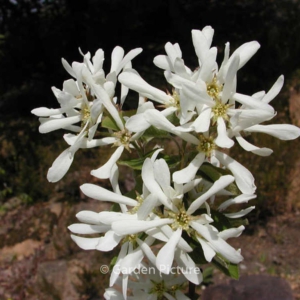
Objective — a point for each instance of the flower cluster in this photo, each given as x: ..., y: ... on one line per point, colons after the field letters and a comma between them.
x: 183, y: 210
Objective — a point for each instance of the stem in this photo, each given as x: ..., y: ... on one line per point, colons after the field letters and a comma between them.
x: 192, y: 291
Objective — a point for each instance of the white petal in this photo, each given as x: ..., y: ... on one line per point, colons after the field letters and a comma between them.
x: 51, y: 124
x: 147, y: 250
x: 116, y: 57
x: 131, y: 261
x: 105, y: 171
x: 147, y: 206
x: 137, y: 123
x: 281, y: 131
x: 188, y: 173
x: 218, y: 185
x: 251, y: 102
x: 245, y: 52
x: 222, y: 139
x: 188, y: 267
x: 128, y: 57
x: 219, y: 245
x: 229, y: 80
x: 136, y: 226
x: 240, y: 214
x: 87, y: 228
x: 109, y: 241
x: 202, y: 122
x: 165, y: 256
x: 274, y: 91
x: 60, y: 166
x: 85, y: 243
x: 102, y: 194
x: 209, y: 253
x: 89, y: 217
x: 231, y: 232
x: 243, y: 198
x: 46, y: 112
x: 163, y: 62
x: 137, y: 83
x: 162, y: 174
x: 243, y: 177
x: 249, y: 147
x: 151, y: 183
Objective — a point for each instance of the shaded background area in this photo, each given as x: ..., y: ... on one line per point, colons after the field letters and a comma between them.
x: 36, y: 34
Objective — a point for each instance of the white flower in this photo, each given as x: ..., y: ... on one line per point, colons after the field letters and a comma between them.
x: 157, y: 179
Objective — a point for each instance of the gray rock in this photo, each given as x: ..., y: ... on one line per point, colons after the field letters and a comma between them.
x: 251, y: 287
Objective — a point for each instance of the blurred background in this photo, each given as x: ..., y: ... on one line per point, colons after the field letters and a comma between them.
x: 36, y: 34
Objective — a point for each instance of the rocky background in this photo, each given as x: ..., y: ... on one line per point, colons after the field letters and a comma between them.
x: 38, y: 259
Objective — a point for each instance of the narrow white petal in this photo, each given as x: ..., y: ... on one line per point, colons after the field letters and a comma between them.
x: 68, y: 67
x: 147, y: 250
x: 222, y: 139
x: 90, y: 217
x: 218, y: 185
x: 147, y: 206
x: 251, y: 102
x: 116, y: 269
x: 102, y: 194
x: 87, y: 228
x: 51, y: 124
x: 165, y: 256
x: 137, y: 123
x: 281, y: 131
x: 60, y: 166
x: 245, y: 52
x: 209, y: 253
x: 163, y: 62
x: 162, y: 174
x: 190, y: 271
x: 243, y: 198
x: 85, y: 243
x: 116, y: 57
x: 131, y: 261
x: 135, y: 82
x: 240, y: 214
x: 231, y: 232
x: 228, y: 88
x: 243, y: 177
x: 109, y: 241
x: 108, y: 217
x: 188, y: 173
x: 274, y: 91
x: 202, y: 122
x: 249, y: 147
x: 218, y: 244
x: 127, y: 58
x: 151, y: 183
x: 47, y: 112
x: 136, y: 226
x: 105, y: 171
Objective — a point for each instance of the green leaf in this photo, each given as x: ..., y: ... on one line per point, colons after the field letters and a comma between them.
x: 110, y: 123
x: 153, y: 132
x: 229, y: 269
x: 137, y: 163
x: 212, y: 174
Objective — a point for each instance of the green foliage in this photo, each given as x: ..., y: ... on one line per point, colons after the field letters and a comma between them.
x: 229, y: 269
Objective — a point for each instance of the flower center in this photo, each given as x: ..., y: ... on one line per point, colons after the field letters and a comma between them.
x: 214, y: 88
x: 123, y: 137
x: 175, y: 101
x: 206, y: 145
x: 181, y: 219
x: 159, y: 288
x: 220, y: 110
